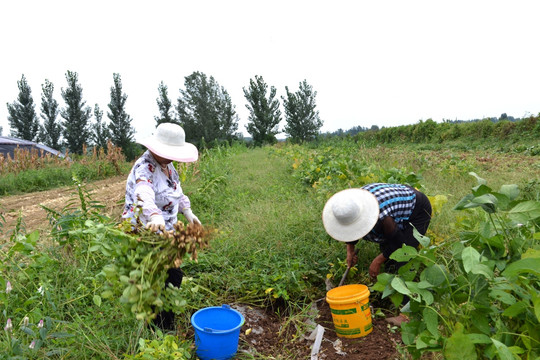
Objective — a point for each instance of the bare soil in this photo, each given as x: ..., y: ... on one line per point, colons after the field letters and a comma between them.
x: 265, y: 335
x: 109, y: 192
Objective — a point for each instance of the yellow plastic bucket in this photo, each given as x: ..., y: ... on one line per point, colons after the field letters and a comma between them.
x: 349, y: 305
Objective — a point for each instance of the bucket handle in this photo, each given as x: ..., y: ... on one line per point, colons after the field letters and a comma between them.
x: 214, y: 331
x: 210, y: 330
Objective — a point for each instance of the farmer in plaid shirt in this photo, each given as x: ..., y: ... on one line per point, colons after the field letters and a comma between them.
x: 382, y: 213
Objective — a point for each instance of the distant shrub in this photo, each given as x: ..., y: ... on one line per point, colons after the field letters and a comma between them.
x: 29, y: 172
x: 486, y: 132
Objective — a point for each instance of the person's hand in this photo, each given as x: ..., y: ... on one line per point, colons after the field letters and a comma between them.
x: 352, y: 258
x: 191, y: 217
x: 375, y: 266
x: 157, y: 222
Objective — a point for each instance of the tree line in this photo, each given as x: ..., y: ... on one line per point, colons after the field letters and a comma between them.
x: 429, y: 131
x: 204, y: 109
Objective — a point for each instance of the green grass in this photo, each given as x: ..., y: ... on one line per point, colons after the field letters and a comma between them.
x: 271, y: 235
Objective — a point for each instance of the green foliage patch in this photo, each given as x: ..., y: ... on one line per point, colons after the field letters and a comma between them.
x: 477, y: 297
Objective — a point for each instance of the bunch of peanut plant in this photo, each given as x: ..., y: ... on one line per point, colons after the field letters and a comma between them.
x: 139, y: 263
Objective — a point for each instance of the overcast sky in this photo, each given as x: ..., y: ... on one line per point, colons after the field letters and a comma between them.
x: 382, y: 63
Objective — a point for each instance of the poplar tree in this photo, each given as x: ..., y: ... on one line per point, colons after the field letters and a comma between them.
x: 51, y: 130
x: 22, y: 114
x: 264, y: 113
x: 166, y: 109
x: 76, y: 115
x: 120, y: 127
x: 205, y: 110
x: 303, y: 122
x: 100, y: 133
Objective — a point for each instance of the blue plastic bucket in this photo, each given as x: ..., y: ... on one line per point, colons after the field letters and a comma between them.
x: 217, y: 330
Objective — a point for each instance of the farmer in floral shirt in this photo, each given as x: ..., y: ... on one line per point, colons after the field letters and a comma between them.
x: 153, y: 188
x: 153, y: 192
x: 381, y: 213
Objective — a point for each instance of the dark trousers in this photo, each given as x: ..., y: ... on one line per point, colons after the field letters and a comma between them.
x: 420, y: 219
x: 165, y: 319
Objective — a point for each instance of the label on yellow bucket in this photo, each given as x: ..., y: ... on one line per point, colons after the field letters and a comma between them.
x: 350, y: 310
x: 343, y: 312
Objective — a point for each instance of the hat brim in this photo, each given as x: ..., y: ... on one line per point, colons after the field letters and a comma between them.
x: 369, y: 214
x: 185, y: 153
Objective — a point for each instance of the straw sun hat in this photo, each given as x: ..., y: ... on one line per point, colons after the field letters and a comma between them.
x: 350, y: 214
x: 169, y: 142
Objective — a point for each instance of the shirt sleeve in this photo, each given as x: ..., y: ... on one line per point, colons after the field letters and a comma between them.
x: 144, y: 193
x: 184, y: 203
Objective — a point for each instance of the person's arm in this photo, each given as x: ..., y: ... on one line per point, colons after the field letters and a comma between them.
x: 375, y: 266
x: 144, y: 193
x: 392, y: 236
x: 352, y: 258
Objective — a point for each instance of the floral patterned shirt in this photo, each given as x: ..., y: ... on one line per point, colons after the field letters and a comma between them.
x: 150, y: 188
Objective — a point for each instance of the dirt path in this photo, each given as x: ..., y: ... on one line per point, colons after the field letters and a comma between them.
x: 109, y: 192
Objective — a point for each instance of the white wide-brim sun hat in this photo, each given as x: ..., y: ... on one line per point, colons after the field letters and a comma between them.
x: 169, y: 142
x: 350, y: 214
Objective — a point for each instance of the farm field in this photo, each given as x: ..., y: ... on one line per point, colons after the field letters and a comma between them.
x: 271, y: 258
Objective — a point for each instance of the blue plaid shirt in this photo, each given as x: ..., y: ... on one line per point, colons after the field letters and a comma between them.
x: 395, y: 200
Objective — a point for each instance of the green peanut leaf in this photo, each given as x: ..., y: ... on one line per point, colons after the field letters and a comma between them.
x: 388, y: 290
x: 427, y: 296
x: 399, y: 285
x: 502, y: 296
x: 431, y: 319
x: 422, y: 239
x: 527, y: 265
x: 503, y: 201
x: 488, y: 202
x: 531, y: 253
x: 515, y: 309
x: 512, y: 191
x: 420, y: 343
x: 481, y: 322
x: 408, y: 332
x: 463, y: 202
x: 525, y: 211
x: 397, y: 299
x: 97, y: 300
x: 536, y: 303
x: 383, y: 280
x: 482, y: 269
x: 479, y: 338
x: 470, y: 257
x: 424, y: 284
x: 459, y: 346
x: 406, y: 253
x: 480, y: 180
x: 434, y: 274
x: 502, y: 350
